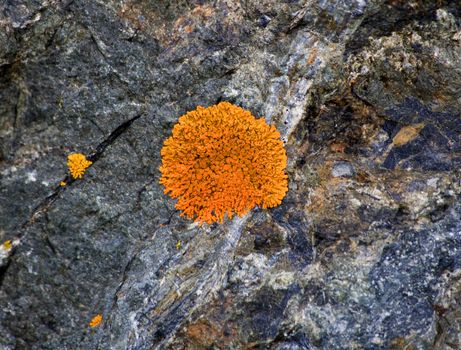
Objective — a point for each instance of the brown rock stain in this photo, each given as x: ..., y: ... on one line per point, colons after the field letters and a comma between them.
x: 317, y: 200
x: 203, y: 11
x: 215, y: 329
x: 203, y: 333
x: 206, y: 334
x: 166, y: 302
x: 148, y: 19
x: 407, y: 134
x: 321, y: 196
x: 338, y: 147
x: 400, y: 343
x: 133, y: 14
x: 312, y: 56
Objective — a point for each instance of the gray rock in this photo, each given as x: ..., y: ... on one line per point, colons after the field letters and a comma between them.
x: 363, y: 252
x: 342, y: 169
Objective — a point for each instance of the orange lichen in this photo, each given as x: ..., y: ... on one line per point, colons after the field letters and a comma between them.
x: 62, y: 183
x: 220, y: 161
x: 77, y: 164
x: 95, y: 321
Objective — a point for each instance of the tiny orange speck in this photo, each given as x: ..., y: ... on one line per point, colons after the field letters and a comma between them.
x: 95, y: 321
x: 7, y: 245
x: 62, y: 183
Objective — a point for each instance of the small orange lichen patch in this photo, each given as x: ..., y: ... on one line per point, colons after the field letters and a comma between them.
x: 95, y: 321
x: 407, y: 134
x: 221, y: 160
x: 62, y: 183
x: 77, y: 164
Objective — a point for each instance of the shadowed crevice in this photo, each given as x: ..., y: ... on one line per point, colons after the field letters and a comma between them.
x: 44, y: 205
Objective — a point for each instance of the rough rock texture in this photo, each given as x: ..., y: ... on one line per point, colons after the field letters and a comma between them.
x: 363, y: 253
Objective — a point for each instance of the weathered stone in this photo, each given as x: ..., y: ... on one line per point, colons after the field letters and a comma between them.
x: 342, y: 169
x: 363, y: 253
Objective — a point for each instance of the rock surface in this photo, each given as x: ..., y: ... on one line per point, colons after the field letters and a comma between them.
x: 366, y: 260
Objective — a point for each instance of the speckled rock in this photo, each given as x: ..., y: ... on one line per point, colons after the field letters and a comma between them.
x: 363, y: 253
x: 342, y: 169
